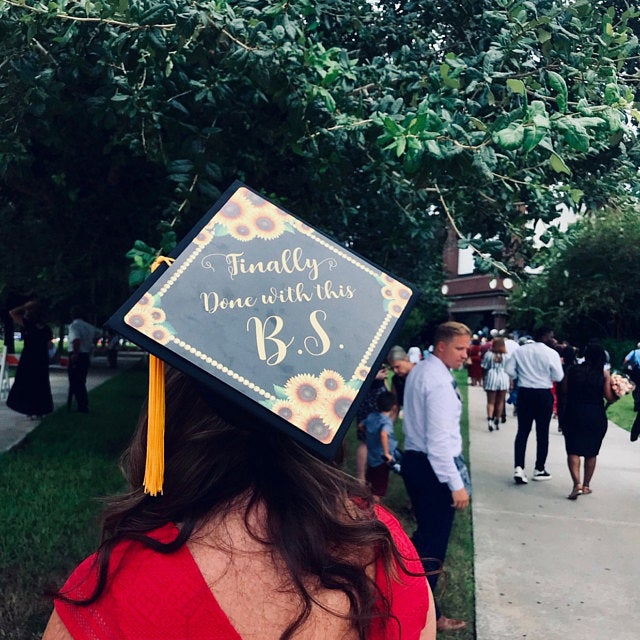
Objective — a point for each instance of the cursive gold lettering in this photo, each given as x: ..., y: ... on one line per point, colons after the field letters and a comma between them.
x: 290, y: 261
x: 322, y: 341
x: 262, y: 338
x: 212, y: 302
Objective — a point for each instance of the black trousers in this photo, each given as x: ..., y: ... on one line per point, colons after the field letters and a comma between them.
x: 432, y: 507
x: 77, y: 372
x: 534, y: 405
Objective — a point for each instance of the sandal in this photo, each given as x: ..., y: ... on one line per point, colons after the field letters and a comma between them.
x: 585, y: 489
x: 577, y: 491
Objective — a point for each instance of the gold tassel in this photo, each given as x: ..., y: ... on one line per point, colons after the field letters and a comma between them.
x: 154, y: 468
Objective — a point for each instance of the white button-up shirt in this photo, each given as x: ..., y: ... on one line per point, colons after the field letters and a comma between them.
x: 536, y: 366
x: 85, y: 333
x: 431, y: 422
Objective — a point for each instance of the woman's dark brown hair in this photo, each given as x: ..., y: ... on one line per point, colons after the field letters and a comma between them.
x: 318, y: 519
x: 498, y: 348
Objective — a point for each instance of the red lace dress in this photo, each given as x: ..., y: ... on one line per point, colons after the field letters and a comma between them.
x: 155, y: 596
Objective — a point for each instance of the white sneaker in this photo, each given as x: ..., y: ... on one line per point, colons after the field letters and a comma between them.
x: 541, y: 475
x: 519, y: 476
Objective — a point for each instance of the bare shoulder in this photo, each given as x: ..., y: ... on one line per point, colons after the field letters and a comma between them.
x: 55, y: 629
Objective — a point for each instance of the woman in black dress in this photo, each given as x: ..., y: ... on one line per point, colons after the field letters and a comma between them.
x: 31, y: 390
x: 585, y: 419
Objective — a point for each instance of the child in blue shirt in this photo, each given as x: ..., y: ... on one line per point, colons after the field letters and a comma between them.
x: 381, y: 443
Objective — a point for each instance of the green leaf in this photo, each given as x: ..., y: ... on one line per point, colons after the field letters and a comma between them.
x: 510, y: 138
x: 392, y: 127
x: 478, y: 124
x: 449, y: 81
x: 611, y: 93
x: 434, y: 149
x: 153, y: 14
x: 533, y: 135
x: 576, y: 195
x: 557, y: 83
x: 558, y: 165
x: 543, y: 36
x: 577, y: 137
x: 517, y: 86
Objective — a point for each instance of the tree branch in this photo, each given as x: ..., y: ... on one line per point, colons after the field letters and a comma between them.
x: 66, y: 16
x: 457, y: 231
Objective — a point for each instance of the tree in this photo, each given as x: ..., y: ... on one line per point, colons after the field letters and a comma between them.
x: 588, y: 288
x: 377, y: 122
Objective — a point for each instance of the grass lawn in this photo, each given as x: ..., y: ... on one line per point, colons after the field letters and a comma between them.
x: 50, y: 490
x: 622, y: 413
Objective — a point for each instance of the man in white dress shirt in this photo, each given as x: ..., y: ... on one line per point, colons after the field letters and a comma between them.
x: 536, y: 366
x: 433, y: 469
x: 81, y: 340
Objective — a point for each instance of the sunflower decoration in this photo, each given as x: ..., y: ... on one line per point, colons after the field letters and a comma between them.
x: 331, y: 382
x: 243, y: 229
x: 268, y: 224
x: 304, y: 391
x: 316, y: 426
x: 204, y: 237
x: 361, y: 372
x: 395, y: 295
x: 247, y: 216
x: 255, y: 200
x: 286, y: 410
x: 233, y: 210
x: 147, y: 317
x: 315, y: 404
x: 336, y: 405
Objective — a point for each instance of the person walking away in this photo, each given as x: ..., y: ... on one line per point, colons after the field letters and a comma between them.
x: 585, y: 419
x: 82, y: 335
x: 474, y: 358
x: 537, y: 366
x: 113, y: 344
x: 568, y: 359
x: 381, y: 443
x: 433, y: 468
x: 31, y: 390
x: 496, y: 381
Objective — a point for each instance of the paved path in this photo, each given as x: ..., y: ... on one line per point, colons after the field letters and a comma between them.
x: 14, y: 426
x: 547, y: 568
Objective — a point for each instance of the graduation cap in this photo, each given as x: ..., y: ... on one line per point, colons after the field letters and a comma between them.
x: 271, y: 317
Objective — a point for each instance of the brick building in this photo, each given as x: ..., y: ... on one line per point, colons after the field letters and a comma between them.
x: 478, y: 300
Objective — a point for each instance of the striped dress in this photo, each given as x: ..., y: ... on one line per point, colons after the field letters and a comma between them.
x: 495, y: 377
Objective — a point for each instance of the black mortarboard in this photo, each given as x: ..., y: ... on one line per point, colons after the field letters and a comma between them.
x: 271, y: 316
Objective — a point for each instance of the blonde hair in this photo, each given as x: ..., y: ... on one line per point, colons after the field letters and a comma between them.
x: 447, y: 331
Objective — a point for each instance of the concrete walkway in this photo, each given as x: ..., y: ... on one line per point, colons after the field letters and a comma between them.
x: 14, y: 426
x: 547, y: 568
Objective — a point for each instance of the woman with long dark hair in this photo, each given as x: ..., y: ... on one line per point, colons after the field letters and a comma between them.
x: 31, y: 390
x: 252, y: 537
x: 585, y: 419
